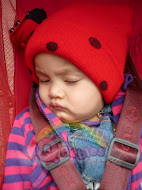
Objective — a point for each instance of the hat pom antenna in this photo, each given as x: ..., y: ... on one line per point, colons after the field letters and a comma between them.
x: 22, y: 30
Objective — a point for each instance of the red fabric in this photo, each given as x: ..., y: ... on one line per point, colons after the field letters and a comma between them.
x: 50, y: 6
x: 135, y: 41
x: 6, y: 104
x: 23, y: 81
x: 90, y: 36
x: 26, y: 28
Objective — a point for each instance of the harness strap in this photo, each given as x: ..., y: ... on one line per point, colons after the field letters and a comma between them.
x: 124, y: 150
x: 65, y: 175
x: 128, y: 129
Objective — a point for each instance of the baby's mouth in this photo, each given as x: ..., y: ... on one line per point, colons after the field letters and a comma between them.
x: 56, y: 106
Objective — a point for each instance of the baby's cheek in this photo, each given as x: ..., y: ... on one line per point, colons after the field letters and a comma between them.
x: 43, y: 94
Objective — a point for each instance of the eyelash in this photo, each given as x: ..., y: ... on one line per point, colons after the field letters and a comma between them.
x: 68, y: 81
x: 44, y: 81
x: 72, y: 81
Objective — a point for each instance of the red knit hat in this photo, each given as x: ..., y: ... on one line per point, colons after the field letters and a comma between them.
x: 93, y: 37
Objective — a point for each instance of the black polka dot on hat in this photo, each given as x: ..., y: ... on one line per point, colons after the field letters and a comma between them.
x: 103, y: 85
x: 52, y: 46
x: 16, y: 23
x: 11, y: 30
x: 95, y: 42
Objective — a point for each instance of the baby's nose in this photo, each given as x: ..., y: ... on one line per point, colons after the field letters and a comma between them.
x: 56, y: 91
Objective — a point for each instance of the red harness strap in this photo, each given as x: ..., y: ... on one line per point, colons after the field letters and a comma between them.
x: 124, y: 150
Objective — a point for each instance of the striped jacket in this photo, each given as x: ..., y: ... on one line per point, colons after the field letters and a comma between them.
x: 23, y: 170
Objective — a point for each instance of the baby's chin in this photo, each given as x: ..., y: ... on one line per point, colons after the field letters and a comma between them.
x: 95, y: 119
x: 69, y: 119
x: 64, y: 117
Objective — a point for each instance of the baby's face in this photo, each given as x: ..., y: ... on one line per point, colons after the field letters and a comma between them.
x: 67, y: 91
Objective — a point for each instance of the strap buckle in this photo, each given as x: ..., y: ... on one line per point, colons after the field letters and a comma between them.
x: 52, y: 153
x: 124, y: 153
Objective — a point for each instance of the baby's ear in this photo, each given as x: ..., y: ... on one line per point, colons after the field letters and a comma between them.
x: 22, y: 30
